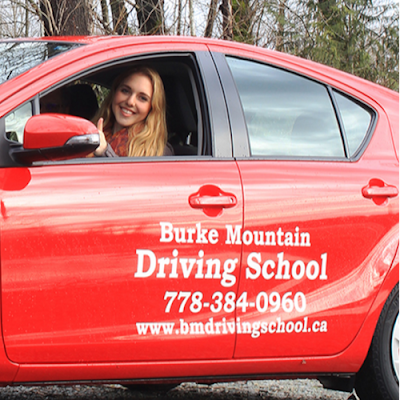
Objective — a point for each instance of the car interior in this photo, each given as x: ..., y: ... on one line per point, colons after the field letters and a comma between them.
x: 184, y: 118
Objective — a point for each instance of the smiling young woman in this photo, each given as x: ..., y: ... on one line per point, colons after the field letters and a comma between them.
x: 133, y: 116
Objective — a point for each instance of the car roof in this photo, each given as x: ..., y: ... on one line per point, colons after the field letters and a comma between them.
x: 218, y: 45
x: 221, y: 46
x: 383, y: 96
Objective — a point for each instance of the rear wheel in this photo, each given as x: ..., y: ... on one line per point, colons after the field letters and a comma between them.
x: 378, y: 378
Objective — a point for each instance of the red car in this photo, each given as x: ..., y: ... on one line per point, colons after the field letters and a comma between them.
x: 265, y: 247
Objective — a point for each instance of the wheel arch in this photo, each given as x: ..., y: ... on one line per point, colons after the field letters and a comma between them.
x: 363, y: 340
x: 377, y: 378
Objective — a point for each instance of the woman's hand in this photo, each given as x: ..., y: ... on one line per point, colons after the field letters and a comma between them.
x: 103, y: 142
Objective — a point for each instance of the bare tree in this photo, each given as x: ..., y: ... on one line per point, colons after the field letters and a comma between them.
x: 150, y: 15
x: 65, y: 17
x: 179, y: 18
x: 26, y: 19
x: 14, y: 20
x: 212, y: 13
x: 279, y: 43
x: 227, y: 22
x: 244, y: 21
x: 191, y: 19
x: 119, y: 17
x: 105, y: 20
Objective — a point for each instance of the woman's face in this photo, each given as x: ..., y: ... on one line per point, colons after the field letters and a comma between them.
x: 132, y: 101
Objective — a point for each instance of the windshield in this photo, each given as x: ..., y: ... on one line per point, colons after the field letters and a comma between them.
x: 18, y: 57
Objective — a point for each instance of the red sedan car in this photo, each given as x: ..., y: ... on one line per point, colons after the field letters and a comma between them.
x: 265, y: 247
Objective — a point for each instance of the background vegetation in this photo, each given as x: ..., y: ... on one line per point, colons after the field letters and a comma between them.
x: 357, y: 36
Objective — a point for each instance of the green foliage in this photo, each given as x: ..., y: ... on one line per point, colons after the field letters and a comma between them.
x: 357, y: 36
x: 242, y: 21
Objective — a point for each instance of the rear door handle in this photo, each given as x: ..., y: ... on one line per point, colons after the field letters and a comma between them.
x: 379, y: 191
x: 386, y: 191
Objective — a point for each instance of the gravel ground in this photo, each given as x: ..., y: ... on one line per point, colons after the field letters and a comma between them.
x: 301, y: 389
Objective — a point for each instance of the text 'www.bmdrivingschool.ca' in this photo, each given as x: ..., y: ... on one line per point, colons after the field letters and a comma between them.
x: 224, y: 327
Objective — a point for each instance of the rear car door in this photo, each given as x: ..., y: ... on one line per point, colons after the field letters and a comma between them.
x: 320, y: 185
x: 123, y: 260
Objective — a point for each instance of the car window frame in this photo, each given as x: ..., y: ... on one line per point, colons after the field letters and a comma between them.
x: 208, y: 97
x: 141, y: 58
x: 371, y: 128
x: 241, y: 146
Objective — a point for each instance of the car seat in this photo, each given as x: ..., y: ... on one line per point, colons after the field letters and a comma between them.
x: 83, y: 101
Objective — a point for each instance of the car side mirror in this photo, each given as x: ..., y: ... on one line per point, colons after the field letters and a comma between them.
x: 55, y: 137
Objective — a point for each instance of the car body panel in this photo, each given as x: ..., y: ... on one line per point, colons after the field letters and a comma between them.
x: 84, y: 279
x: 327, y: 207
x: 325, y: 201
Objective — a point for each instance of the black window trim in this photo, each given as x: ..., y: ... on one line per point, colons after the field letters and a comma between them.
x: 198, y: 90
x: 236, y: 117
x: 203, y: 91
x: 371, y: 128
x: 339, y: 121
x: 243, y: 153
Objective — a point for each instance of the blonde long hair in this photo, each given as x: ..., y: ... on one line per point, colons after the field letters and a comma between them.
x: 147, y: 138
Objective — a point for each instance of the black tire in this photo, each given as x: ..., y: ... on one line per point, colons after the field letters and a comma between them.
x: 377, y: 379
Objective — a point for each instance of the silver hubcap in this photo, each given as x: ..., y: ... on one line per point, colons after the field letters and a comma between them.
x: 395, y: 346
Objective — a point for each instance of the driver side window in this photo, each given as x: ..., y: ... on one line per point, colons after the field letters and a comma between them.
x: 186, y: 119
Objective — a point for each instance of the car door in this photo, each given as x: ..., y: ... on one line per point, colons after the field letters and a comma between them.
x: 124, y: 259
x: 320, y: 211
